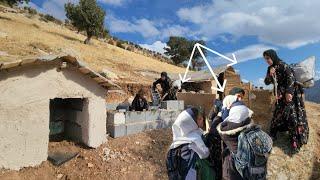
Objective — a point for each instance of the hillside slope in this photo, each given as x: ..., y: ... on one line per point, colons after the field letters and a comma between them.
x: 22, y: 36
x: 313, y: 94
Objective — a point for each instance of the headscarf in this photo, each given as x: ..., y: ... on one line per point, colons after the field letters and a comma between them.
x: 185, y: 130
x: 273, y: 55
x: 238, y: 114
x: 228, y: 101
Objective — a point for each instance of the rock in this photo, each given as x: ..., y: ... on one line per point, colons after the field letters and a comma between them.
x: 109, y: 74
x: 73, y: 53
x: 282, y: 176
x: 2, y: 53
x: 59, y: 176
x: 3, y: 35
x: 90, y: 165
x: 137, y: 142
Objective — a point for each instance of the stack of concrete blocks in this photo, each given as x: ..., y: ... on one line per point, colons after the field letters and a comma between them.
x: 111, y: 106
x: 121, y: 123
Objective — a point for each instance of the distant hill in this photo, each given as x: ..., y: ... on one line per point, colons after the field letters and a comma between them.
x: 24, y: 34
x: 313, y: 94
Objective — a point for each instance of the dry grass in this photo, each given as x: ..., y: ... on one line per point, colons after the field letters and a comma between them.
x: 305, y: 164
x: 30, y: 36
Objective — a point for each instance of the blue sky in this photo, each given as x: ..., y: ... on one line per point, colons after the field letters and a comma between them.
x: 243, y: 27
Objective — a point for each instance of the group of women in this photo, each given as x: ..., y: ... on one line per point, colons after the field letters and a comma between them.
x: 191, y: 149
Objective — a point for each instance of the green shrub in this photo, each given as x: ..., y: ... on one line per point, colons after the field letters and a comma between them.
x: 119, y: 44
x: 32, y: 11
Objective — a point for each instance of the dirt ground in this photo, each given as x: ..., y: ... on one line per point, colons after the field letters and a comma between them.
x: 142, y: 156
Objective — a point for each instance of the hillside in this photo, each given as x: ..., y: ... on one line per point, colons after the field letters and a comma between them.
x: 23, y: 35
x: 313, y: 94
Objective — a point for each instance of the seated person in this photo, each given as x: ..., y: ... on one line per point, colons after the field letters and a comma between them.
x: 164, y: 81
x: 188, y: 146
x: 139, y: 103
x: 175, y: 86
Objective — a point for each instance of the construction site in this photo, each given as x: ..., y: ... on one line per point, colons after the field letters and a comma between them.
x: 60, y: 115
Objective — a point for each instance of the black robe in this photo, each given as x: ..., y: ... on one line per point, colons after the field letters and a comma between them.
x: 288, y: 116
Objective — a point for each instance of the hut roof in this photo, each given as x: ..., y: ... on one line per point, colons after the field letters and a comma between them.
x: 71, y: 60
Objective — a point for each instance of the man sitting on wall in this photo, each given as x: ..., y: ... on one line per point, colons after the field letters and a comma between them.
x: 164, y: 82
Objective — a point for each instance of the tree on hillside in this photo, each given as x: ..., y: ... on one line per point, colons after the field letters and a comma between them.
x: 197, y: 61
x: 13, y: 2
x: 87, y: 16
x: 179, y: 49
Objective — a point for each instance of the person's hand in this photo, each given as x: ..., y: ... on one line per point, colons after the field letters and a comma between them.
x: 272, y: 71
x: 288, y: 97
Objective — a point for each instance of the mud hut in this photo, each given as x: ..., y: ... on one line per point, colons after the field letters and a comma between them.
x: 45, y: 97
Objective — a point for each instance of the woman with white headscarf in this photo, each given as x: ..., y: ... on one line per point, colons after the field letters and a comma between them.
x: 230, y: 102
x: 229, y: 130
x: 187, y: 146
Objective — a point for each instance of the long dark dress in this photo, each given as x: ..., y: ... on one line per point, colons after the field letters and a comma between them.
x: 288, y: 116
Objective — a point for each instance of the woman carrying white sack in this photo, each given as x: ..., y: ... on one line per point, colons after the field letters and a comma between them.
x: 188, y: 147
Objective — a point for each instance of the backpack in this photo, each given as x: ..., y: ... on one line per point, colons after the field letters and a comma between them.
x: 178, y: 167
x: 304, y: 72
x: 254, y: 147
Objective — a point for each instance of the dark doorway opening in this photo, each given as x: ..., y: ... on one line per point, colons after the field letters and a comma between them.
x: 65, y: 117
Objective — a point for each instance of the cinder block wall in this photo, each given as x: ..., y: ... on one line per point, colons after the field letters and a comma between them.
x: 132, y: 122
x: 126, y: 123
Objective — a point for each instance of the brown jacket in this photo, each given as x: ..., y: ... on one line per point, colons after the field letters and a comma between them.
x: 229, y: 133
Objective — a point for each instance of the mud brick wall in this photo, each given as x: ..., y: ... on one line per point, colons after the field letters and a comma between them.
x: 128, y: 90
x: 234, y: 80
x: 205, y: 100
x: 262, y: 107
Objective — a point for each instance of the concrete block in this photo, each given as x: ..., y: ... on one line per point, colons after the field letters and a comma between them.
x: 154, y: 125
x: 167, y: 123
x: 172, y: 105
x: 152, y: 115
x: 165, y: 114
x: 117, y: 130
x: 134, y: 128
x: 181, y: 106
x: 175, y: 114
x: 153, y: 107
x: 115, y: 118
x: 111, y: 107
x: 135, y: 116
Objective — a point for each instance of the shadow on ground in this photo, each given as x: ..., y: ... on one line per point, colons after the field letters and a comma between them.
x: 64, y: 36
x: 316, y: 169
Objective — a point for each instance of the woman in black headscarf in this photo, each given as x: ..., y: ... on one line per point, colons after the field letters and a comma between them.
x: 289, y: 114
